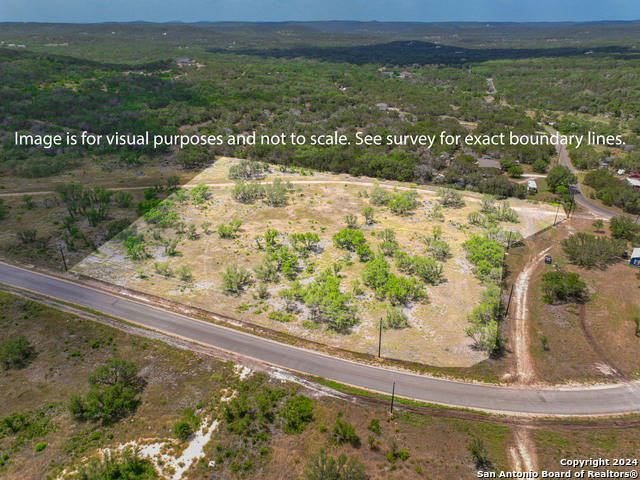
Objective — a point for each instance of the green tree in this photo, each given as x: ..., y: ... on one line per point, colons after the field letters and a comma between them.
x: 113, y: 392
x: 560, y: 175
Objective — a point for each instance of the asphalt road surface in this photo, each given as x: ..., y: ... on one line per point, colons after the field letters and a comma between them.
x: 611, y: 399
x: 597, y: 210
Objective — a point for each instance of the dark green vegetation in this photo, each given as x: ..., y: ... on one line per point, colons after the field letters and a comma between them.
x: 113, y: 392
x: 311, y: 79
x: 613, y: 191
x: 268, y: 428
x: 563, y: 286
x: 16, y: 353
x: 588, y: 250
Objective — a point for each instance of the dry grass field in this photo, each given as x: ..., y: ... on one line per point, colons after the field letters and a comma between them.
x: 317, y: 204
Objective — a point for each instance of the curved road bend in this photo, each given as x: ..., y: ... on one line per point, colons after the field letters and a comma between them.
x: 580, y: 199
x: 614, y: 399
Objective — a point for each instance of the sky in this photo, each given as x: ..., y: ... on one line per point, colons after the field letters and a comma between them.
x: 88, y: 11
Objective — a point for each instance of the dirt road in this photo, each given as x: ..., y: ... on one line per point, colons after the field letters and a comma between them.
x: 524, y: 364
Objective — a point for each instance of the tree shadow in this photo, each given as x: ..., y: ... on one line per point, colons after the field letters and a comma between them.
x: 419, y: 52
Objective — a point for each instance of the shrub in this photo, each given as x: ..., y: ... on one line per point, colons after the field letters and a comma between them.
x: 247, y: 170
x: 328, y: 304
x: 486, y: 256
x: 403, y: 203
x: 182, y: 429
x: 388, y: 244
x: 304, y: 243
x: 123, y: 199
x: 247, y: 192
x: 323, y: 467
x: 235, y: 278
x: 296, y: 413
x: 38, y: 447
x: 374, y: 426
x: 438, y: 249
x: 276, y: 193
x: 425, y: 268
x: 200, y: 194
x: 163, y: 268
x: 184, y: 273
x: 395, y: 319
x: 348, y: 239
x: 135, y: 246
x: 450, y: 198
x: 27, y: 236
x: 351, y: 221
x: 484, y: 321
x: 367, y: 213
x: 129, y: 465
x: 400, y: 290
x: 375, y: 275
x: 479, y: 454
x: 16, y: 353
x: 379, y: 196
x: 230, y: 230
x: 343, y: 432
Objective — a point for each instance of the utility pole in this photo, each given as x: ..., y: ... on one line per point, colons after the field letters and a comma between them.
x: 509, y: 240
x: 556, y: 218
x: 509, y: 301
x: 64, y: 261
x: 380, y: 339
x: 393, y: 395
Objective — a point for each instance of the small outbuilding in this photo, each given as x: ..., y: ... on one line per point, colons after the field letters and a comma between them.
x: 634, y: 182
x: 635, y: 257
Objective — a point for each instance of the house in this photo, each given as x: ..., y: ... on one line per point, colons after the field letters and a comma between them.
x: 182, y: 61
x: 635, y: 257
x: 382, y: 106
x: 634, y: 182
x: 532, y: 186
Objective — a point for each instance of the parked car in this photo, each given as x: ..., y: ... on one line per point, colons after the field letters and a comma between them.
x: 547, y: 259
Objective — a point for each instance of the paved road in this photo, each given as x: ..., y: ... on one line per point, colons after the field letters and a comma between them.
x: 597, y: 210
x: 492, y: 87
x: 607, y: 400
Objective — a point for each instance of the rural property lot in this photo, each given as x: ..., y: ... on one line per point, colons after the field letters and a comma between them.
x: 317, y: 204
